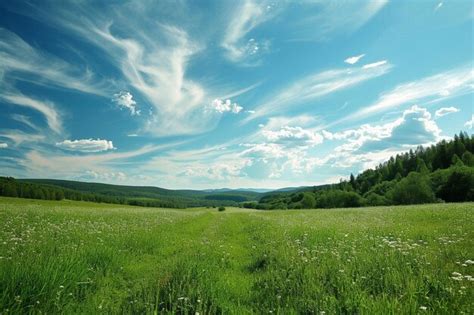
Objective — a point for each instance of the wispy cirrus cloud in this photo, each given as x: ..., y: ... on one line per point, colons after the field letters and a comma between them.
x: 86, y: 145
x: 18, y: 137
x: 151, y: 57
x: 21, y: 61
x: 331, y: 18
x: 375, y: 64
x: 318, y: 85
x: 248, y: 15
x: 40, y: 163
x: 318, y: 20
x: 439, y: 86
x: 46, y: 108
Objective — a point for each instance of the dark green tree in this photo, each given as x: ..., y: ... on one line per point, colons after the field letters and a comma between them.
x: 413, y: 189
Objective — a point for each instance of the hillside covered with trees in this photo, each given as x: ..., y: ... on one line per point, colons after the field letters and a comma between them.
x: 51, y: 189
x: 441, y: 173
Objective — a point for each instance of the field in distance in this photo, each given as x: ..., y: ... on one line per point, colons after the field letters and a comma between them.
x: 77, y: 257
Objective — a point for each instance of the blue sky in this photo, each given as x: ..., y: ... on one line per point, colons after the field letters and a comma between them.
x: 209, y: 94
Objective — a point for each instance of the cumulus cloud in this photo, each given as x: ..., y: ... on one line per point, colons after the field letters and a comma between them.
x: 86, y: 145
x: 3, y: 145
x: 415, y: 127
x: 105, y: 176
x: 219, y: 171
x: 354, y: 60
x: 125, y: 99
x: 470, y: 123
x: 222, y: 106
x: 288, y: 134
x: 445, y: 111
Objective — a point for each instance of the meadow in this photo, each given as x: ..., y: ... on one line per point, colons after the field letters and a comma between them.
x: 78, y: 257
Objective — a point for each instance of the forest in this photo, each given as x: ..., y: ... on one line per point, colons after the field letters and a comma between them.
x: 51, y: 189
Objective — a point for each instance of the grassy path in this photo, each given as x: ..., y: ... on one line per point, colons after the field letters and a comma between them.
x: 72, y: 257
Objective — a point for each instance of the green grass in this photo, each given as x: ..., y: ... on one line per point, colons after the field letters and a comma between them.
x: 73, y: 257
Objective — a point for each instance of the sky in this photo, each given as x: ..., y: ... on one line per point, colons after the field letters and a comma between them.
x: 237, y: 94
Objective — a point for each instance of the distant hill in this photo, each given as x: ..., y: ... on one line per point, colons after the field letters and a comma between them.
x: 257, y: 190
x: 150, y: 193
x: 53, y: 189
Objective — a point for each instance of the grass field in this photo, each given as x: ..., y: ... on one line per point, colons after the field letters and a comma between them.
x: 72, y: 257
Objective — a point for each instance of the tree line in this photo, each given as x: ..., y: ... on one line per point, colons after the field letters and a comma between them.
x: 11, y: 187
x: 440, y: 173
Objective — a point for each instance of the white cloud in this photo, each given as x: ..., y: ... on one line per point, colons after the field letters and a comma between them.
x: 277, y: 122
x: 105, y: 176
x: 38, y: 163
x: 222, y: 106
x: 331, y: 18
x: 248, y: 15
x: 25, y: 120
x: 445, y: 111
x: 315, y: 86
x: 370, y: 144
x: 317, y: 20
x: 292, y: 135
x: 354, y: 60
x: 48, y: 109
x: 470, y: 123
x: 415, y: 127
x: 19, y: 137
x: 125, y: 99
x: 443, y: 85
x: 438, y: 6
x: 20, y: 61
x: 153, y: 58
x: 375, y: 64
x: 3, y: 145
x: 86, y: 145
x: 157, y: 71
